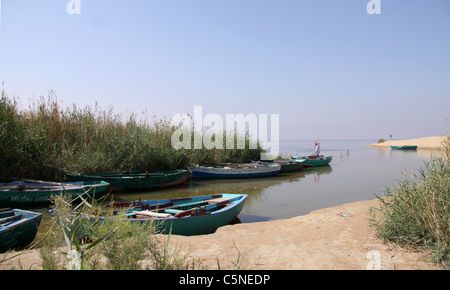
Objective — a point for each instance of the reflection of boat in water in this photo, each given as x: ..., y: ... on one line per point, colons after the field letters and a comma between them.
x: 318, y: 170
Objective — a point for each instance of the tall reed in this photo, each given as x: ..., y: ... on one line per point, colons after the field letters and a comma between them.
x: 48, y: 140
x: 417, y: 211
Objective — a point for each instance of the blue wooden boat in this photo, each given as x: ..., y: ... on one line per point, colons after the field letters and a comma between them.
x: 406, y: 147
x: 186, y: 216
x: 18, y: 228
x: 314, y: 160
x: 231, y: 171
x: 26, y: 192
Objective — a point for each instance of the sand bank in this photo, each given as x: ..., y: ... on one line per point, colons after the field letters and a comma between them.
x: 333, y: 238
x: 433, y: 143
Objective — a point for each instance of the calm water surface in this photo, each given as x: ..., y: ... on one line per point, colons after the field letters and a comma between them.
x: 357, y: 173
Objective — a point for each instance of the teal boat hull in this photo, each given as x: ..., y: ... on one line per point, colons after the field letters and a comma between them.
x: 407, y: 147
x: 134, y: 180
x: 290, y: 166
x: 19, y: 232
x: 314, y: 161
x: 287, y: 166
x: 35, y: 192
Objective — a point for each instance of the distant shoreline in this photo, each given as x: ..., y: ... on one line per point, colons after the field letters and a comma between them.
x: 429, y: 143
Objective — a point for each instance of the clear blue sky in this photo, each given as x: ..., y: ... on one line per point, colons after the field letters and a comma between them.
x: 331, y: 70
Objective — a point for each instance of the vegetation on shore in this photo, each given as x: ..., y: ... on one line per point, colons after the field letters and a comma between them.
x: 416, y: 212
x: 80, y: 240
x: 47, y: 140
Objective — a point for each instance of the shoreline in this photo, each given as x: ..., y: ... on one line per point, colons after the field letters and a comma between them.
x: 424, y: 143
x: 338, y: 237
x: 335, y: 238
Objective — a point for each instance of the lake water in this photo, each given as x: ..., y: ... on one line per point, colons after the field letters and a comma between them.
x: 357, y: 172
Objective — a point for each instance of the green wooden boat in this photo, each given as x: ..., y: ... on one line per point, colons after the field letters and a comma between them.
x: 406, y: 147
x: 313, y: 160
x: 18, y: 228
x: 27, y: 192
x: 287, y: 166
x: 134, y: 180
x: 186, y: 216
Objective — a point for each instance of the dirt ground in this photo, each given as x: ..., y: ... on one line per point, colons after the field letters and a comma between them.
x: 333, y: 238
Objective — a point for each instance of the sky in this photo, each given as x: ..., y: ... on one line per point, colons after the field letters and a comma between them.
x: 328, y: 68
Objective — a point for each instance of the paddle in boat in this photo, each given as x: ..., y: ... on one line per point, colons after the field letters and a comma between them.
x: 134, y: 180
x: 18, y: 228
x: 26, y: 192
x: 234, y: 170
x: 184, y: 216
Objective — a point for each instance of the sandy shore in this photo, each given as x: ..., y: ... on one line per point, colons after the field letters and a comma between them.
x: 433, y: 143
x: 333, y: 238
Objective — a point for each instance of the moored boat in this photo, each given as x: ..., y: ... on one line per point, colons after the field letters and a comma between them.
x: 405, y: 147
x: 288, y: 165
x: 231, y: 171
x: 185, y: 216
x: 314, y: 160
x: 27, y: 192
x: 134, y: 180
x: 18, y: 228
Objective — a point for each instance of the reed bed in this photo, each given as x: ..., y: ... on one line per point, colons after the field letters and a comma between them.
x: 47, y: 140
x: 416, y: 212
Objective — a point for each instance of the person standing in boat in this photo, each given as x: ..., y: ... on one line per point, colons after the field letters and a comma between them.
x: 316, y: 148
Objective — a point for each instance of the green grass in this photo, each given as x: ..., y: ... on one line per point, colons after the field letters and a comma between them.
x: 416, y: 212
x: 47, y: 140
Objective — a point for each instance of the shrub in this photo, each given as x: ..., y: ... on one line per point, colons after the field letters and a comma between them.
x: 417, y: 211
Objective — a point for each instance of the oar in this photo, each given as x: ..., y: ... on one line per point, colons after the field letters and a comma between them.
x: 206, y: 208
x: 23, y: 186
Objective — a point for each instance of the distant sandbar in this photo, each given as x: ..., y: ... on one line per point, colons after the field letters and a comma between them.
x: 434, y: 143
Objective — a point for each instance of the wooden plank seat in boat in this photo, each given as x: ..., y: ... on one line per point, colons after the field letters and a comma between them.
x: 217, y: 200
x: 10, y: 219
